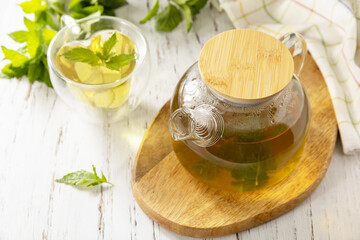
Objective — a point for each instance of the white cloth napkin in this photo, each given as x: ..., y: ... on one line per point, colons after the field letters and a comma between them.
x: 330, y: 29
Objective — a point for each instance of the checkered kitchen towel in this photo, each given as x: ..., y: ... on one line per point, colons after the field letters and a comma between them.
x: 331, y: 29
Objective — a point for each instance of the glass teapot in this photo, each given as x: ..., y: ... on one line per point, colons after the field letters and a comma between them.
x: 240, y: 115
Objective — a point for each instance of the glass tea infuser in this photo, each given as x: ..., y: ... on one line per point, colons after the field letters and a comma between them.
x: 240, y: 115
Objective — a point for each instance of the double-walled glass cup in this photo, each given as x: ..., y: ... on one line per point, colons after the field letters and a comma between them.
x: 105, y: 102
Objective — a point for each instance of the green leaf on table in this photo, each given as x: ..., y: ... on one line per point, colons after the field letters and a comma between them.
x: 48, y: 35
x: 196, y: 5
x: 152, y: 13
x: 8, y: 71
x: 112, y: 3
x: 34, y: 42
x: 187, y: 15
x: 52, y: 20
x: 56, y: 8
x: 17, y: 59
x: 22, y: 50
x: 109, y: 12
x: 83, y: 178
x: 108, y: 45
x: 40, y: 18
x: 180, y: 2
x: 45, y: 77
x: 11, y: 71
x: 30, y: 25
x: 32, y: 6
x: 118, y: 61
x: 35, y: 70
x: 74, y: 4
x: 86, y: 11
x: 168, y: 19
x: 19, y: 36
x: 82, y: 55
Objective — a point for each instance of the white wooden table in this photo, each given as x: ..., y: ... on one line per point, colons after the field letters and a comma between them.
x: 41, y: 140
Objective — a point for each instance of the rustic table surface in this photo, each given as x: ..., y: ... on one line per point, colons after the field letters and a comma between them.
x: 41, y: 140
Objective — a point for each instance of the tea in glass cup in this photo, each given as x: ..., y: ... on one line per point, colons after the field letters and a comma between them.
x: 100, y: 67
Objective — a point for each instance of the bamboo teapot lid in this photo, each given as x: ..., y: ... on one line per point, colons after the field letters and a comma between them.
x: 245, y: 64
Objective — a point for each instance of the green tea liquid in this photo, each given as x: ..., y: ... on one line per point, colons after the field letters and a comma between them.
x: 101, y: 97
x: 243, y: 163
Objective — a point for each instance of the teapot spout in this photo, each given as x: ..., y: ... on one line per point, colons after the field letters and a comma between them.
x: 203, y: 125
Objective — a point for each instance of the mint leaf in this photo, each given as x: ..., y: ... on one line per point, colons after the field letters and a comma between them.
x: 8, y: 71
x: 86, y: 11
x: 152, y: 13
x: 33, y: 42
x: 19, y: 36
x: 35, y: 70
x: 56, y: 7
x: 45, y: 78
x: 112, y: 3
x: 22, y: 50
x: 116, y: 62
x: 48, y: 35
x: 73, y: 5
x: 96, y: 58
x: 82, y: 55
x: 83, y: 178
x: 108, y: 45
x: 31, y: 6
x: 180, y: 2
x: 40, y: 18
x: 16, y: 58
x: 196, y: 5
x: 168, y: 19
x: 109, y: 12
x: 11, y: 71
x: 187, y: 15
x: 52, y: 20
x: 30, y: 25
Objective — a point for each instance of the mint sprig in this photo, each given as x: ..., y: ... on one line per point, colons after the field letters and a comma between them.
x: 31, y: 59
x: 84, y: 55
x: 152, y: 13
x: 170, y: 17
x: 118, y: 61
x: 103, y: 58
x: 83, y: 178
x: 108, y: 45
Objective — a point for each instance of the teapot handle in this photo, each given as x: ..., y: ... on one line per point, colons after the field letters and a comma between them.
x: 203, y: 125
x: 295, y: 42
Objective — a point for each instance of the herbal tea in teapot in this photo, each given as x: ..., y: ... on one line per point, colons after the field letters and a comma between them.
x: 240, y: 116
x: 246, y: 160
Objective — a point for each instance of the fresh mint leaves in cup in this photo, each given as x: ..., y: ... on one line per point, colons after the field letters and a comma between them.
x: 100, y: 67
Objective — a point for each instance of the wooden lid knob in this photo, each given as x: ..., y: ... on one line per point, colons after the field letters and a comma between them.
x: 245, y: 64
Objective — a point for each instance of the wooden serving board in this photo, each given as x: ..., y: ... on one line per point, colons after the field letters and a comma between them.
x: 172, y: 197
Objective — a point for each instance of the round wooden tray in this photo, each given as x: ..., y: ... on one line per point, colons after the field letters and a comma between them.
x: 172, y: 197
